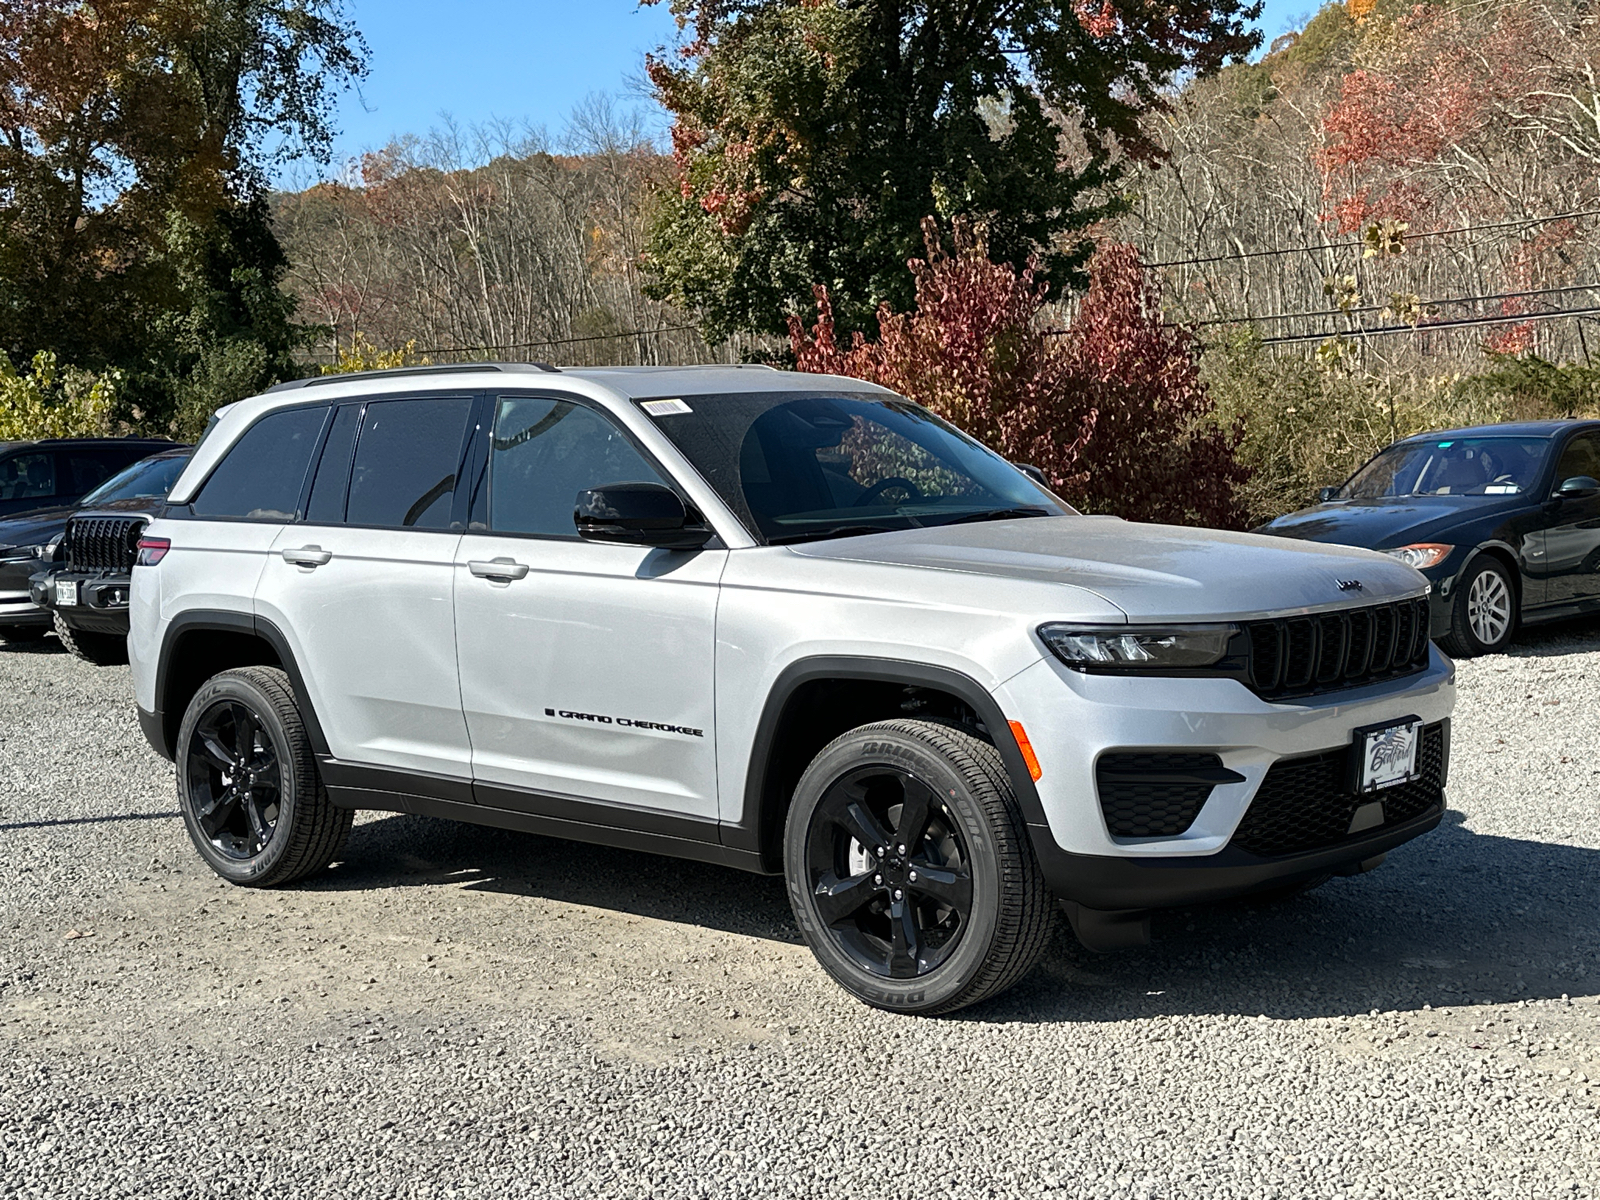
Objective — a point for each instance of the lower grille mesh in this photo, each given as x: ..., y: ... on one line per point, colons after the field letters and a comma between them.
x: 1306, y: 803
x: 1140, y: 797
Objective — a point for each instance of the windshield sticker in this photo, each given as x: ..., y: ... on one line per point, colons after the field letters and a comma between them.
x: 665, y: 408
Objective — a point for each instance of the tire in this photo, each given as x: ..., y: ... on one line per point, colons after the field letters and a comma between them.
x: 283, y: 827
x: 102, y: 649
x: 890, y: 928
x: 22, y: 635
x: 1483, y: 616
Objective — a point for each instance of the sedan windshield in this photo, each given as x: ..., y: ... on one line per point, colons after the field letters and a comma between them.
x: 800, y: 466
x: 1473, y: 466
x: 151, y: 479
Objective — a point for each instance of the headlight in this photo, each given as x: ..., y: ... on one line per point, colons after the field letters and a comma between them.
x: 1134, y: 648
x: 1422, y: 555
x: 16, y: 554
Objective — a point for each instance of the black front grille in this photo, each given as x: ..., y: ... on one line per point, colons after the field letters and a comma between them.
x: 1306, y: 803
x: 1306, y: 656
x: 102, y: 543
x: 1155, y: 793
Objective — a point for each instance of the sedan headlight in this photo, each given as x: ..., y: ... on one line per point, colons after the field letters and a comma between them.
x: 1422, y: 555
x: 16, y: 554
x: 1137, y: 648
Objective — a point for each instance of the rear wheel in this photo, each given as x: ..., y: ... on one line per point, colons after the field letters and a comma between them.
x: 102, y: 649
x: 248, y: 784
x: 1483, y: 617
x: 910, y: 871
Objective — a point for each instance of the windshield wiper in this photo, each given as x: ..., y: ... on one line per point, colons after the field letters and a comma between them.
x: 1001, y: 514
x: 817, y: 535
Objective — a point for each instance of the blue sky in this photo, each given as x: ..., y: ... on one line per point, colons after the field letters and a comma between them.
x: 530, y: 60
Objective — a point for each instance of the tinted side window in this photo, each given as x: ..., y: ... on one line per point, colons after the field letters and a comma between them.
x: 406, y: 461
x: 1581, y: 457
x: 261, y: 477
x: 86, y: 470
x: 544, y: 453
x: 28, y: 476
x: 326, y: 506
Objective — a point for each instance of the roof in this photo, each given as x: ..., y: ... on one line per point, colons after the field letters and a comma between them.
x: 1538, y: 429
x: 633, y: 382
x: 88, y: 441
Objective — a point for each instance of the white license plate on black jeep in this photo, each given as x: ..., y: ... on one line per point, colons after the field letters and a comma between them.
x: 66, y: 593
x: 1386, y: 755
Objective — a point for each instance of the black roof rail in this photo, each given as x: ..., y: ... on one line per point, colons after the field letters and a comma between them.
x: 432, y: 369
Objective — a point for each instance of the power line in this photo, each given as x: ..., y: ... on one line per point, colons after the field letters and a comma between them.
x: 1356, y: 242
x: 1247, y: 320
x: 1457, y: 323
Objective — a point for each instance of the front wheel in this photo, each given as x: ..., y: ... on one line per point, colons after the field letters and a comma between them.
x: 248, y: 784
x: 1483, y: 616
x: 910, y: 871
x: 101, y: 649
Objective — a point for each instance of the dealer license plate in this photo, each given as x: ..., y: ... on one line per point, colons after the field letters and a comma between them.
x: 66, y: 593
x: 1388, y: 754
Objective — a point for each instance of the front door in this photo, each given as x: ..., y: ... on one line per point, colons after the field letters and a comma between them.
x: 586, y: 669
x: 1572, y: 539
x: 362, y: 586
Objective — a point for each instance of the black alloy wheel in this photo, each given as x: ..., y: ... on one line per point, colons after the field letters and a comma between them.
x: 910, y: 871
x: 888, y: 867
x: 235, y: 780
x: 248, y: 785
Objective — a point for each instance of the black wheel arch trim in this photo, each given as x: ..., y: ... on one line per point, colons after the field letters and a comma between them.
x: 165, y: 723
x: 760, y: 809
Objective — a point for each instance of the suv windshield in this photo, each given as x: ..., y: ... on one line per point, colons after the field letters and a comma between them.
x: 151, y: 479
x: 797, y: 466
x: 1472, y: 466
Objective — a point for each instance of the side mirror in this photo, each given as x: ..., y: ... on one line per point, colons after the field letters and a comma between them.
x: 1327, y: 493
x: 1578, y: 487
x: 639, y: 514
x: 1033, y: 473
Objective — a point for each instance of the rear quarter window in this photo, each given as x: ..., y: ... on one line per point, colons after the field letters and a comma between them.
x: 263, y: 476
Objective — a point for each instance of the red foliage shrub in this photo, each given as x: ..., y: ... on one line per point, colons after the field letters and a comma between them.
x: 1113, y: 412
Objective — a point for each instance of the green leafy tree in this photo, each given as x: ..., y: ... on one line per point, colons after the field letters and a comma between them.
x: 136, y: 139
x: 812, y: 136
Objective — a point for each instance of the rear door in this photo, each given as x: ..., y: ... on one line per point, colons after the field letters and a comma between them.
x: 1572, y: 539
x: 586, y: 669
x: 361, y: 587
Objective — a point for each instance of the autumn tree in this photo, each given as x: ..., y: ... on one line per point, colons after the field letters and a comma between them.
x: 1111, y: 409
x: 812, y: 136
x: 136, y: 138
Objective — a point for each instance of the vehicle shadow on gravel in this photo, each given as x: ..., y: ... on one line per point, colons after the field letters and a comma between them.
x: 44, y: 645
x: 1454, y: 918
x: 407, y: 851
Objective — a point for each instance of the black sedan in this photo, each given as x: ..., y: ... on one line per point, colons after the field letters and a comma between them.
x: 1504, y: 520
x: 28, y: 541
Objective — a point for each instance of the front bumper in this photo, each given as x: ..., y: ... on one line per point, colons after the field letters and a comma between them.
x: 102, y: 605
x: 1073, y: 719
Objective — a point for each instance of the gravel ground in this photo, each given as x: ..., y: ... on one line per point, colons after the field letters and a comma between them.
x: 455, y: 1011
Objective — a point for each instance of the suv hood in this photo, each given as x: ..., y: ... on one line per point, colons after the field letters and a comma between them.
x: 1150, y: 572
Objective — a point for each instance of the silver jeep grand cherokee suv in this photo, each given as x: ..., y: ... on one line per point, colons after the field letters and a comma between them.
x: 786, y: 623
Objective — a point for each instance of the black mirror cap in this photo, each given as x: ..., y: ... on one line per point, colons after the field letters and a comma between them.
x: 1033, y: 473
x: 1578, y: 487
x: 1328, y: 493
x: 639, y: 514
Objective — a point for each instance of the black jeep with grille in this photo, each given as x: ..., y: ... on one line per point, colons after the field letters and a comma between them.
x: 85, y: 582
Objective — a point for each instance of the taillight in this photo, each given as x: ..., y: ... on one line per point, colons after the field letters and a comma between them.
x: 152, y: 550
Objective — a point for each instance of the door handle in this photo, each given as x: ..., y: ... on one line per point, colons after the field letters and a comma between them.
x: 500, y: 570
x: 308, y: 556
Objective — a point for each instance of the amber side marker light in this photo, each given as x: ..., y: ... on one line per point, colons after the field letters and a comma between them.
x: 1023, y: 744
